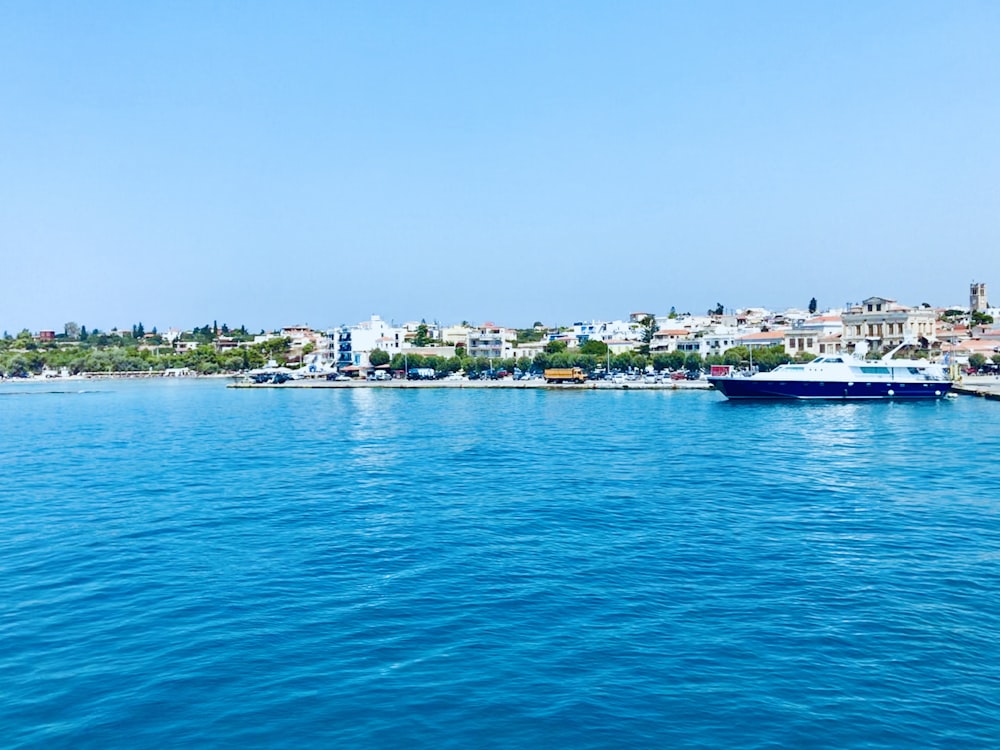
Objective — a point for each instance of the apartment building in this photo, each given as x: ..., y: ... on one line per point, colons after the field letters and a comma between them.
x: 878, y: 324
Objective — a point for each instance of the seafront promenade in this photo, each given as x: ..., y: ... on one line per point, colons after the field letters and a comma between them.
x: 676, y: 385
x: 981, y: 386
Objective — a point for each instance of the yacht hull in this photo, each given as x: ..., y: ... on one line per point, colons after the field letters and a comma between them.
x: 862, y: 390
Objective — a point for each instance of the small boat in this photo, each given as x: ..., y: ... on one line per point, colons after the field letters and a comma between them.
x: 270, y: 373
x: 840, y: 376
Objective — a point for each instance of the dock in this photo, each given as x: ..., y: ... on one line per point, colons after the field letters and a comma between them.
x: 984, y: 386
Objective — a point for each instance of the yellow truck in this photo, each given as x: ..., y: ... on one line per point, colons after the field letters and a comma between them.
x: 564, y: 375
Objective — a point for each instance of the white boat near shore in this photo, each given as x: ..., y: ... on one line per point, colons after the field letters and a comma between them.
x: 840, y: 377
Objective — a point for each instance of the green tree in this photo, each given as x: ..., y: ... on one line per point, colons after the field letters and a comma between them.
x: 675, y: 360
x: 276, y: 349
x: 377, y: 358
x: 659, y: 361
x: 17, y: 367
x: 812, y: 306
x: 594, y: 347
x: 736, y: 356
x: 647, y: 328
x: 561, y: 359
x: 977, y: 360
x: 422, y: 337
x: 401, y: 361
x: 555, y: 347
x: 768, y: 358
x: 436, y: 363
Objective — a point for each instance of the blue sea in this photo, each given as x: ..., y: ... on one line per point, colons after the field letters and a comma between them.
x: 186, y: 565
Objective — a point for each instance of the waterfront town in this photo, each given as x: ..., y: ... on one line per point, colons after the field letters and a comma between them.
x: 650, y: 342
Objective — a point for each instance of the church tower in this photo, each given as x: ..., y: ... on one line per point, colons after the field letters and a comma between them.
x: 977, y: 298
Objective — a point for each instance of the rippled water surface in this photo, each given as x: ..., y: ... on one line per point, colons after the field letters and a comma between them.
x: 185, y: 564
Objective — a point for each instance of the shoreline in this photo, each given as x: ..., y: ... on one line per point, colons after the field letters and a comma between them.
x: 116, y: 376
x: 977, y: 386
x: 679, y: 385
x: 982, y: 386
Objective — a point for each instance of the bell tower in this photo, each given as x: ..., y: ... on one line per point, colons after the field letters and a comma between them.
x: 977, y: 297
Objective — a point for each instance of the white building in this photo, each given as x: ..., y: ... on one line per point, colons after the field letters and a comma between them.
x: 371, y: 334
x: 761, y: 339
x: 721, y: 338
x: 355, y: 343
x: 818, y: 335
x: 666, y: 340
x: 601, y: 330
x: 491, y: 341
x: 453, y: 335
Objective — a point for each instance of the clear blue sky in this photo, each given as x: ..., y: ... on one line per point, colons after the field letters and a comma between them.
x: 274, y: 163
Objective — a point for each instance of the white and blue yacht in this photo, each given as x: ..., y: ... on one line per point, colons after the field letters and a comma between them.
x: 840, y: 376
